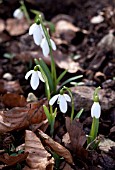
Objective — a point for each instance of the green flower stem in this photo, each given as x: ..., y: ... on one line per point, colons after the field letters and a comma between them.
x: 94, y: 130
x: 53, y: 67
x: 46, y: 83
x: 53, y: 121
x: 72, y: 109
x: 72, y: 101
x: 23, y: 7
x: 53, y: 70
x: 51, y: 117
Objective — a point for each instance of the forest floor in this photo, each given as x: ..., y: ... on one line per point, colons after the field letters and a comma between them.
x: 85, y: 39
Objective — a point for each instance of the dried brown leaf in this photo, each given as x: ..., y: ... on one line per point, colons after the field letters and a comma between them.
x: 66, y: 30
x: 65, y: 166
x: 65, y: 62
x: 13, y: 100
x: 13, y: 160
x: 77, y: 137
x: 56, y: 147
x: 107, y: 42
x: 10, y: 86
x: 22, y: 117
x: 106, y: 144
x: 38, y: 157
x: 16, y: 27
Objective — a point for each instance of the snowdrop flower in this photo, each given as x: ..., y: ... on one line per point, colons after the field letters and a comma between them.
x: 45, y: 47
x: 96, y: 110
x: 62, y: 100
x: 36, y: 76
x: 37, y: 32
x: 18, y: 14
x: 40, y: 38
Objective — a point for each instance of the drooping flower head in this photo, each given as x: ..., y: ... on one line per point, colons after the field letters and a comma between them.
x: 36, y: 76
x: 37, y: 32
x: 40, y: 38
x: 96, y: 108
x: 18, y: 13
x: 62, y: 100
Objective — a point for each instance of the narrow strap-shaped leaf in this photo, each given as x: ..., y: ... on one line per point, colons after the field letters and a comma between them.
x: 47, y: 73
x: 79, y: 114
x: 69, y: 80
x: 48, y: 115
x: 46, y: 83
x: 61, y: 76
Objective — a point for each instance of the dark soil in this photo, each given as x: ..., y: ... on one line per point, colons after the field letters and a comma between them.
x: 91, y: 55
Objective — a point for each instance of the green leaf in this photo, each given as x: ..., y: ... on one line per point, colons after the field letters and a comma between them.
x: 20, y: 151
x: 69, y: 80
x: 47, y: 90
x: 48, y: 115
x: 51, y: 26
x: 37, y: 13
x: 13, y: 154
x: 79, y: 114
x: 94, y: 130
x: 61, y: 76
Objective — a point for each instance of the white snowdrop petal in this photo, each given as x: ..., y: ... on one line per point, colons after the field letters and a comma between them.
x: 53, y: 44
x: 67, y: 97
x: 96, y: 110
x: 34, y: 80
x: 28, y: 74
x: 32, y: 28
x: 18, y: 14
x: 53, y: 99
x: 62, y: 104
x: 40, y: 76
x: 37, y: 37
x: 45, y: 47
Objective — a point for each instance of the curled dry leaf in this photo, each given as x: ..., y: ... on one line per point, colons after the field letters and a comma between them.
x: 64, y: 25
x: 13, y: 160
x: 13, y: 100
x: 21, y: 117
x: 77, y: 137
x: 16, y: 27
x: 66, y: 30
x: 56, y: 147
x: 105, y: 144
x: 65, y: 62
x: 99, y: 76
x: 65, y: 166
x: 38, y: 157
x: 10, y: 86
x: 107, y: 42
